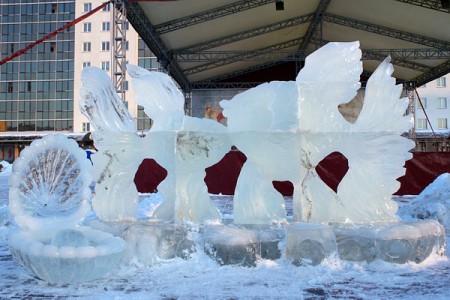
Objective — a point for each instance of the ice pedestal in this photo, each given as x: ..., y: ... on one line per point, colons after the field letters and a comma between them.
x: 242, y: 245
x: 309, y: 243
x: 49, y: 198
x: 395, y: 242
x: 151, y: 243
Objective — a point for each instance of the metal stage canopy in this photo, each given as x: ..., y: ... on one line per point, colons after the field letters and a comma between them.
x: 226, y: 43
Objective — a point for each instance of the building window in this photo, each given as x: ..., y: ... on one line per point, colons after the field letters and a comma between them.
x: 53, y: 47
x: 87, y: 7
x: 421, y: 123
x: 442, y: 123
x: 87, y: 27
x: 424, y: 102
x: 126, y: 45
x: 54, y: 8
x: 105, y: 65
x: 86, y: 126
x: 441, y: 82
x: 29, y: 86
x: 10, y: 87
x: 105, y: 46
x: 125, y: 26
x: 106, y: 26
x: 106, y: 8
x: 442, y: 102
x: 86, y: 64
x: 86, y: 46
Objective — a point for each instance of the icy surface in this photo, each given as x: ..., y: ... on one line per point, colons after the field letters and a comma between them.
x: 200, y: 277
x: 275, y: 122
x: 49, y: 185
x: 433, y: 202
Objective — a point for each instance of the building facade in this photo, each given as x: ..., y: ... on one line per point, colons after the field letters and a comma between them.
x: 40, y: 89
x: 36, y: 88
x: 433, y: 102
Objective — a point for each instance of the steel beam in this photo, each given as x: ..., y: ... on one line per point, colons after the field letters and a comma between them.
x: 315, y: 26
x: 236, y: 56
x: 224, y: 85
x: 431, y: 4
x: 244, y: 71
x: 147, y: 32
x: 249, y: 33
x: 387, y: 31
x: 439, y: 71
x: 209, y: 15
x: 272, y: 53
x: 380, y: 56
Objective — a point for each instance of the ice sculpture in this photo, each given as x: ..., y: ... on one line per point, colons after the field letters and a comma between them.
x: 49, y: 197
x: 119, y: 154
x: 263, y: 124
x: 307, y: 126
x: 183, y: 145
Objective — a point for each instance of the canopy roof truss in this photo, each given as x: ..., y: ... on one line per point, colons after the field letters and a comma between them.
x: 229, y: 43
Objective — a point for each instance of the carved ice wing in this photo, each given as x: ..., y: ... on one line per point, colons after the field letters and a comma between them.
x: 330, y: 77
x: 101, y: 105
x: 268, y: 107
x: 383, y: 110
x: 162, y: 100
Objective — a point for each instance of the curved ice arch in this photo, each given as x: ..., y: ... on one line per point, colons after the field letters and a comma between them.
x: 49, y: 185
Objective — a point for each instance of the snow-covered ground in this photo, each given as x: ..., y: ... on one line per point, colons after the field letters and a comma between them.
x: 202, y: 278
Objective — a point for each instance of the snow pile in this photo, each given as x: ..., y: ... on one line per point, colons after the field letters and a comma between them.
x: 432, y: 203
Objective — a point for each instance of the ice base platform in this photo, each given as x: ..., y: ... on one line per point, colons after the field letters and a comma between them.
x: 300, y: 243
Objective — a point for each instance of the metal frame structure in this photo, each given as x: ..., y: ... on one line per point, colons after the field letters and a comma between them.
x: 119, y: 48
x: 276, y: 54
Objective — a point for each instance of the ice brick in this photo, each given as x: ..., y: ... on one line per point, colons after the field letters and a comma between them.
x: 231, y: 246
x: 309, y: 243
x: 150, y: 243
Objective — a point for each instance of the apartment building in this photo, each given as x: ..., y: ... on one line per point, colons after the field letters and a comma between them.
x: 433, y: 133
x: 40, y: 89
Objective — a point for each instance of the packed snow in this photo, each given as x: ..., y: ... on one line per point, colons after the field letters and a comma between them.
x: 200, y: 277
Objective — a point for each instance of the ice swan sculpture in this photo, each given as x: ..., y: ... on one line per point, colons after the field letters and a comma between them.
x: 49, y: 197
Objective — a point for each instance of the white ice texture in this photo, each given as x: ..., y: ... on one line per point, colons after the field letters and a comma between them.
x: 286, y: 128
x: 183, y: 145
